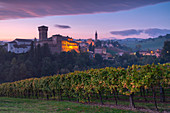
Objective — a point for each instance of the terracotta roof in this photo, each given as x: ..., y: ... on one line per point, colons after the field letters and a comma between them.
x: 70, y: 41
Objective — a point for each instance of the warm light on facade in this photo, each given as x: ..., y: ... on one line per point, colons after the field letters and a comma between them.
x: 69, y: 46
x: 79, y: 41
x: 134, y: 53
x: 70, y: 39
x: 90, y: 41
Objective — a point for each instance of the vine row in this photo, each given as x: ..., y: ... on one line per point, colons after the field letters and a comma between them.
x: 83, y: 84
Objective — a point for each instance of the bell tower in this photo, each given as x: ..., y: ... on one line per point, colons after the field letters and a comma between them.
x: 96, y: 37
x: 43, y: 33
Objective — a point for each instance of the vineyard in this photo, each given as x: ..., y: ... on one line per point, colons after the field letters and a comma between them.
x: 148, y: 83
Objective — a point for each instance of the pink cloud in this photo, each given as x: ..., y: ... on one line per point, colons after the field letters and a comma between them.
x: 10, y: 9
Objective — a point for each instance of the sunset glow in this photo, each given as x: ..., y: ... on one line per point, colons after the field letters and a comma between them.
x: 83, y: 25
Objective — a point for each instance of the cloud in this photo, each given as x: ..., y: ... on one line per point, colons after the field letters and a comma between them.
x: 127, y: 32
x: 11, y: 9
x: 156, y: 32
x: 152, y: 32
x: 62, y: 26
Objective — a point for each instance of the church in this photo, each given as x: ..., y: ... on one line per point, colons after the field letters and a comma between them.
x: 57, y: 43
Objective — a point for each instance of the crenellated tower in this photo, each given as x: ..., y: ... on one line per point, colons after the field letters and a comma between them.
x: 43, y: 33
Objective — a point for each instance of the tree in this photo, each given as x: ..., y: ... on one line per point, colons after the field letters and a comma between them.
x: 138, y: 47
x: 64, y: 71
x: 32, y: 50
x: 91, y: 47
x: 45, y: 50
x: 83, y: 60
x: 22, y: 71
x: 138, y: 54
x: 47, y: 67
x: 98, y: 43
x: 3, y: 54
x: 166, y: 51
x: 13, y: 72
x: 38, y: 53
x: 98, y: 58
x: 31, y: 70
x: 2, y: 77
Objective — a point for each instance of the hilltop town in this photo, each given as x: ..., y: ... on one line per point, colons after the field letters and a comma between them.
x: 58, y: 43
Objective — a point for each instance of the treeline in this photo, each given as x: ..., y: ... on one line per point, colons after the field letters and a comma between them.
x: 40, y: 62
x: 83, y: 85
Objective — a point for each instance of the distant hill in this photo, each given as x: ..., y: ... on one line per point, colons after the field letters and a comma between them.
x: 151, y: 43
x: 131, y: 39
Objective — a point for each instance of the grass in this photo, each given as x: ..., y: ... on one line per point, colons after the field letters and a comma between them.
x: 18, y: 105
x: 140, y: 101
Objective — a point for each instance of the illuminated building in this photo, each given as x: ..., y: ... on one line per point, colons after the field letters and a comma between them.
x: 90, y: 41
x: 69, y: 46
x: 148, y: 53
x: 57, y: 43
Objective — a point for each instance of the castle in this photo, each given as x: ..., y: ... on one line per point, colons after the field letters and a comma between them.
x: 57, y: 43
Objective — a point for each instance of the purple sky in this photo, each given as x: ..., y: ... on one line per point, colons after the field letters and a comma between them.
x: 81, y: 18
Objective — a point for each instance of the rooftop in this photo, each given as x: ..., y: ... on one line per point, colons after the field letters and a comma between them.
x: 23, y: 40
x: 43, y: 26
x: 12, y: 42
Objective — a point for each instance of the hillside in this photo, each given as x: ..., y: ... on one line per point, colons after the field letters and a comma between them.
x: 151, y: 43
x: 113, y: 46
x: 114, y: 50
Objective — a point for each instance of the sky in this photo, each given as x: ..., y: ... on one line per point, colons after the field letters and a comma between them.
x: 80, y: 19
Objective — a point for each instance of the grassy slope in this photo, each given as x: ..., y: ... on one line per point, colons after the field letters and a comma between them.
x: 156, y: 43
x: 153, y: 44
x: 16, y: 105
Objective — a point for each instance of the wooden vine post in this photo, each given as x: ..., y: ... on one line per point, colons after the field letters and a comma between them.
x: 101, y: 99
x: 154, y: 98
x: 115, y: 97
x: 131, y: 101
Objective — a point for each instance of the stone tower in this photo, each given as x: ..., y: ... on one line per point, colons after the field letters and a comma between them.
x: 42, y: 32
x: 96, y: 37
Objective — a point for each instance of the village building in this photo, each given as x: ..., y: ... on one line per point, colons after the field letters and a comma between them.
x: 120, y: 53
x: 19, y: 45
x: 149, y: 53
x: 102, y: 52
x: 2, y: 43
x: 90, y: 41
x: 57, y: 43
